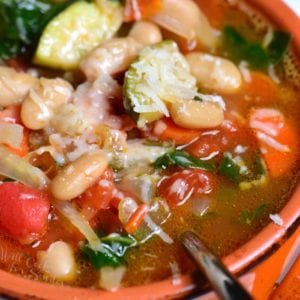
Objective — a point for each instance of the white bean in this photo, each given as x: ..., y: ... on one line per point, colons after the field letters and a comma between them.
x: 146, y: 33
x: 69, y: 120
x: 79, y: 175
x: 184, y: 18
x: 43, y: 100
x: 58, y: 261
x: 14, y: 86
x: 215, y: 73
x: 111, y: 57
x: 196, y: 114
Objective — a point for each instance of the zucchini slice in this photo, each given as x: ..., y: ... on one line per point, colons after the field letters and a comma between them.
x: 158, y: 76
x: 76, y: 31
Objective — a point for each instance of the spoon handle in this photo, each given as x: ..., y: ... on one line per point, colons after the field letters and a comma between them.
x: 226, y: 286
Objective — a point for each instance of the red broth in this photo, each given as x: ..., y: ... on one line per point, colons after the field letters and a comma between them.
x: 225, y: 207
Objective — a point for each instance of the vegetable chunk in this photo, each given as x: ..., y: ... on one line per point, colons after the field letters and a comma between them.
x: 73, y: 33
x: 159, y: 75
x: 23, y: 211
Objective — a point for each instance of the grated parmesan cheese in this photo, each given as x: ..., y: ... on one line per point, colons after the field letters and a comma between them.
x: 276, y: 219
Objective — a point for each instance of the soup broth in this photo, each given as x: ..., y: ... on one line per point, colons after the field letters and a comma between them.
x: 161, y: 176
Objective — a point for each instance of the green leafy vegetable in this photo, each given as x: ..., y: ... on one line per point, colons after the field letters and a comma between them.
x: 253, y: 175
x: 230, y: 169
x: 182, y: 159
x: 22, y: 23
x: 112, y: 252
x: 249, y: 216
x: 240, y: 49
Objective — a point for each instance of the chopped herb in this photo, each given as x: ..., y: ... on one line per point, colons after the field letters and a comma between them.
x: 182, y: 159
x: 229, y: 168
x: 240, y: 49
x: 249, y: 216
x: 255, y: 174
x: 23, y: 22
x: 112, y: 252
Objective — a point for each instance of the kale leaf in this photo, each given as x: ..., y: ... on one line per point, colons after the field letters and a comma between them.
x: 23, y: 22
x: 239, y: 48
x: 182, y: 159
x: 111, y: 253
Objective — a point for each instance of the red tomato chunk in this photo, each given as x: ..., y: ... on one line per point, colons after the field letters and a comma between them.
x: 178, y: 187
x: 23, y: 211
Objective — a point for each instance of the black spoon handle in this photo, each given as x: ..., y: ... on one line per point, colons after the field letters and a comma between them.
x: 226, y: 286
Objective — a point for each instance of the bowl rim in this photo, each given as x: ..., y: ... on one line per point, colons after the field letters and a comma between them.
x: 243, y: 257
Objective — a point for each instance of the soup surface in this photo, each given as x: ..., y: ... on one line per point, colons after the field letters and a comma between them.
x: 125, y: 124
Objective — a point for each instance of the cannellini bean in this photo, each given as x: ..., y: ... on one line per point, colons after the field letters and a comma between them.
x: 43, y: 101
x: 14, y: 86
x: 146, y: 33
x: 75, y: 178
x: 215, y: 73
x: 58, y: 261
x: 196, y: 114
x: 111, y: 57
x: 69, y: 120
x: 184, y: 18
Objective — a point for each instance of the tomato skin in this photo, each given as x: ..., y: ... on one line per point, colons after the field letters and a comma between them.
x: 23, y: 211
x: 178, y: 187
x: 100, y: 194
x: 214, y: 143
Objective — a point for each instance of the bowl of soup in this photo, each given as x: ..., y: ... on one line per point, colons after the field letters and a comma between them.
x: 124, y: 124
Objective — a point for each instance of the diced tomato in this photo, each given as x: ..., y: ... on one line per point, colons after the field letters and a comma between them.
x: 178, y: 187
x: 141, y: 9
x: 166, y: 130
x: 100, y: 194
x: 213, y: 143
x: 277, y: 138
x: 23, y: 211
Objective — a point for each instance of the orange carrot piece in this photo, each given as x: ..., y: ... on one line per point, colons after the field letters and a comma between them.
x: 277, y: 139
x: 166, y: 130
x: 136, y: 219
x: 261, y: 88
x: 141, y: 9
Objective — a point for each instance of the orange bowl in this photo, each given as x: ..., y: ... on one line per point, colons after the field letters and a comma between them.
x: 240, y: 260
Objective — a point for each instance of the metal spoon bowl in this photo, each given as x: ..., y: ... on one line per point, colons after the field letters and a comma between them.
x: 225, y: 285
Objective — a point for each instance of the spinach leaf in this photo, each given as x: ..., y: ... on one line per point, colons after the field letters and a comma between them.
x: 230, y: 169
x: 112, y: 252
x: 182, y: 159
x: 240, y: 49
x: 249, y: 216
x: 253, y: 175
x: 23, y: 22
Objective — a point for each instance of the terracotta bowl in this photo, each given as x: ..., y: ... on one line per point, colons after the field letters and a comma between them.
x: 240, y: 260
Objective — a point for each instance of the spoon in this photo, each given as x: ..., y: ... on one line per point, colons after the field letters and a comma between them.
x: 225, y: 285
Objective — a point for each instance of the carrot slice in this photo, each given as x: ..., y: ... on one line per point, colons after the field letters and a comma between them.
x: 141, y: 9
x: 277, y: 139
x: 136, y: 219
x: 166, y: 130
x: 261, y: 88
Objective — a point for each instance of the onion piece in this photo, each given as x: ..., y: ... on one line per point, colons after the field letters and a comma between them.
x: 11, y: 134
x: 111, y: 278
x: 73, y: 215
x: 14, y: 167
x: 184, y: 18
